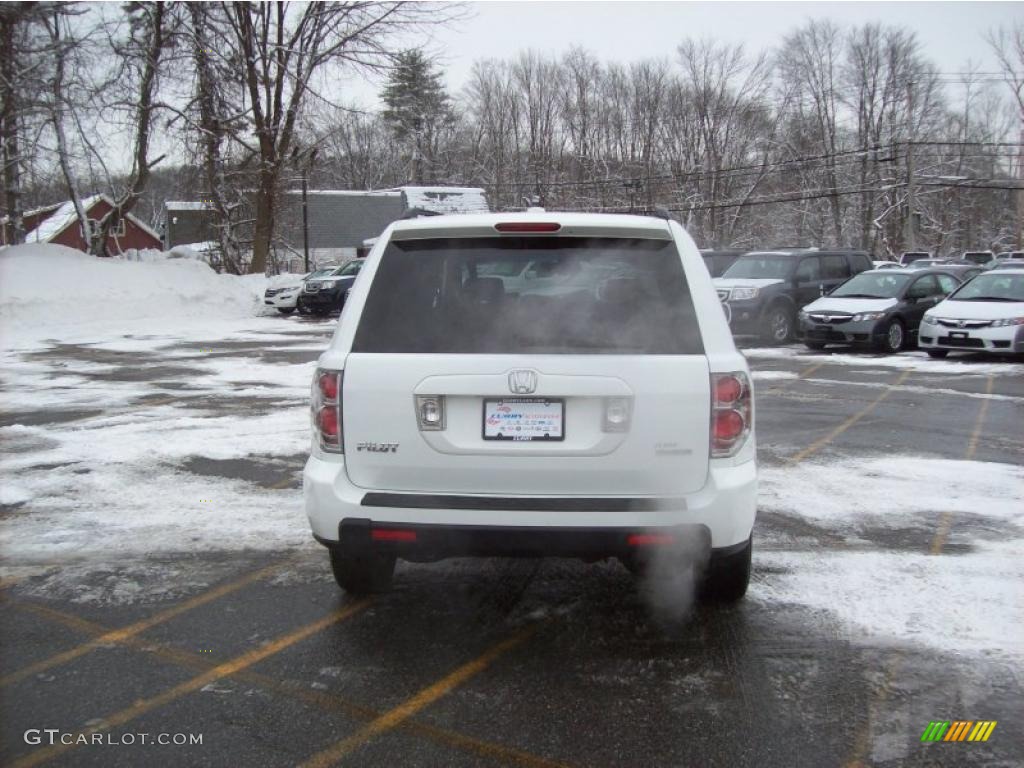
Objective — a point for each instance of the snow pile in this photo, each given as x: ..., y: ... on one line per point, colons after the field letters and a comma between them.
x: 53, y: 292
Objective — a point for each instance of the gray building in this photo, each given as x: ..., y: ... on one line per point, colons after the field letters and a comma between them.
x: 340, y: 221
x: 187, y: 222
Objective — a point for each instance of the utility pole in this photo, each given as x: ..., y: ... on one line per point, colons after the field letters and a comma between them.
x: 305, y: 220
x: 1020, y: 192
x: 910, y: 236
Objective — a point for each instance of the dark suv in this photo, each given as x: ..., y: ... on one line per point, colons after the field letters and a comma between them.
x: 322, y: 294
x: 763, y: 290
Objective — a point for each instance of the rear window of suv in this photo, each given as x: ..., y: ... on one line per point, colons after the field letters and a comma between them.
x: 529, y: 295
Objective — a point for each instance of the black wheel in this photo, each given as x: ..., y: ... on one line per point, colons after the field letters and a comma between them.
x: 286, y: 310
x: 938, y: 354
x: 817, y: 346
x: 895, y: 337
x: 363, y: 575
x: 778, y: 325
x: 301, y: 306
x: 727, y: 577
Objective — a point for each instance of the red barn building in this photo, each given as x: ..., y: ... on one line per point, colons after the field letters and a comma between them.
x: 58, y: 224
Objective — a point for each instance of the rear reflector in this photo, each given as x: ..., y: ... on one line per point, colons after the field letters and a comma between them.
x: 387, y: 534
x: 649, y: 539
x: 528, y: 226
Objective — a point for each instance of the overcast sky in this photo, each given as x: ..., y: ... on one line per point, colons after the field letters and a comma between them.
x: 950, y: 33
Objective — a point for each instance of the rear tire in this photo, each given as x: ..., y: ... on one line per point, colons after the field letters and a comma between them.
x: 778, y: 325
x: 363, y: 575
x: 727, y: 577
x: 937, y: 354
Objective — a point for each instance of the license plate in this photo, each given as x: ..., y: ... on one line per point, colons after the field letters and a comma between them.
x: 524, y: 419
x: 959, y: 335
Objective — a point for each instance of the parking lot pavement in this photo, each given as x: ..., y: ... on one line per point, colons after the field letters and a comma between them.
x: 887, y: 569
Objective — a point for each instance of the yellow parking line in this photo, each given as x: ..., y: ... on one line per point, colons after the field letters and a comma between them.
x: 819, y: 444
x: 946, y: 521
x: 395, y: 717
x: 333, y: 703
x: 972, y: 446
x: 226, y: 669
x: 862, y: 744
x: 138, y: 627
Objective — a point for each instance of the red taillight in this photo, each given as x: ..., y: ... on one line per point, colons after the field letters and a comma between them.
x: 327, y: 423
x: 731, y: 413
x: 728, y: 426
x: 727, y: 390
x: 528, y: 226
x: 328, y: 381
x: 385, y: 534
x: 650, y: 539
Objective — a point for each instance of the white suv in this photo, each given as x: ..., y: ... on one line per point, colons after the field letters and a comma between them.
x: 456, y: 413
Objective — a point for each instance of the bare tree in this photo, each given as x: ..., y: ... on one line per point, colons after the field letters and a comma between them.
x: 1008, y: 45
x: 282, y: 48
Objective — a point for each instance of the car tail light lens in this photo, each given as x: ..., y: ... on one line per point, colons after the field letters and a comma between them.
x: 618, y: 412
x: 327, y: 424
x: 731, y: 413
x: 528, y: 226
x: 430, y: 412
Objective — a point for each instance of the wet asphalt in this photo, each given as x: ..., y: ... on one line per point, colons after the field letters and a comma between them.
x: 529, y: 662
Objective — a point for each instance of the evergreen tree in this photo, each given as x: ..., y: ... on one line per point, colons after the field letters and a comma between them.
x: 417, y: 109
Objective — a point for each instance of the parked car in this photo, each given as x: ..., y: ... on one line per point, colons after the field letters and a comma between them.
x: 963, y: 272
x: 981, y: 258
x: 908, y: 256
x: 765, y: 289
x: 615, y: 421
x: 1006, y: 264
x: 984, y: 315
x: 881, y: 309
x: 283, y: 293
x: 718, y: 261
x: 317, y: 273
x: 326, y: 293
x: 888, y: 265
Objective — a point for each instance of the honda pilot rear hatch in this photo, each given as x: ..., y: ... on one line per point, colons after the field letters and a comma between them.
x: 524, y: 363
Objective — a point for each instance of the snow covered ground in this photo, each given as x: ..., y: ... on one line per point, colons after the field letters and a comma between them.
x: 117, y: 377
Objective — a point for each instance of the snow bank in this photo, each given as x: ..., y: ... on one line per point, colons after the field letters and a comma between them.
x: 53, y: 292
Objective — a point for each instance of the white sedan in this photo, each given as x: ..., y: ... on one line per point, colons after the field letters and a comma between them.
x: 283, y: 292
x: 984, y: 315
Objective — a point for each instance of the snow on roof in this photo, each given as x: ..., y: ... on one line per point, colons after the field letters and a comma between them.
x: 65, y: 215
x: 188, y: 205
x: 446, y: 199
x: 51, y: 226
x: 348, y: 192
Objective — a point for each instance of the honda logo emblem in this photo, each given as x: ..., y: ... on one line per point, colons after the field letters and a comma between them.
x: 522, y: 382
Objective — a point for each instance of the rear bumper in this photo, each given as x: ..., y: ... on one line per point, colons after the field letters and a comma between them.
x: 469, y: 524
x: 423, y: 542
